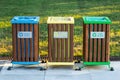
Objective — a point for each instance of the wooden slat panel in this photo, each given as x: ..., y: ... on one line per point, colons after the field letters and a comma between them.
x: 86, y: 42
x: 66, y: 44
x: 36, y: 41
x: 62, y: 45
x: 58, y: 44
x: 71, y: 42
x: 26, y: 57
x: 107, y: 42
x: 14, y: 35
x: 99, y: 45
x: 95, y: 43
x: 49, y: 42
x: 59, y: 50
x: 103, y: 44
x: 18, y: 40
x: 22, y: 40
x: 90, y: 54
x: 31, y: 46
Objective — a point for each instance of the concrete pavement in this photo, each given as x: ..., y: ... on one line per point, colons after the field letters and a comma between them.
x: 60, y: 72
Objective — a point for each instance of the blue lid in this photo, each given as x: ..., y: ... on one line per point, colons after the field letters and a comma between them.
x: 25, y: 19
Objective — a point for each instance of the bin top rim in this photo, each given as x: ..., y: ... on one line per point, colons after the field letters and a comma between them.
x: 60, y: 20
x: 25, y: 19
x: 96, y: 20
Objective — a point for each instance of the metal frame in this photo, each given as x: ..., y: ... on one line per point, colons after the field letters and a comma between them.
x: 26, y: 64
x: 96, y: 64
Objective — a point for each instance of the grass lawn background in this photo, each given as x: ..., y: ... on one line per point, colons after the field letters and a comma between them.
x: 46, y: 8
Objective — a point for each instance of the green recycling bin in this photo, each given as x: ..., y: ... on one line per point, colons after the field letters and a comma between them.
x: 96, y: 39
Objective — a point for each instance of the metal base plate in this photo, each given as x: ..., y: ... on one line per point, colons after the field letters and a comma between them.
x: 96, y: 63
x: 25, y: 63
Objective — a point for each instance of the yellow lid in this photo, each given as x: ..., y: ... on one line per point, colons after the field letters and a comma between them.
x: 60, y: 20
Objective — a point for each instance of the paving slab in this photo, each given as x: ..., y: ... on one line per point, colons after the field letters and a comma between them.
x: 65, y: 72
x: 21, y: 70
x: 2, y: 62
x: 105, y: 74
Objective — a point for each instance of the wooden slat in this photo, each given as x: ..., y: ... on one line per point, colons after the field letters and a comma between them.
x: 99, y: 45
x: 18, y: 46
x: 62, y: 45
x: 58, y: 44
x: 71, y: 42
x: 14, y: 35
x: 95, y: 43
x: 36, y: 41
x: 26, y: 57
x: 38, y: 55
x: 49, y: 42
x: 66, y: 44
x: 103, y: 44
x: 31, y: 45
x: 54, y: 45
x: 107, y: 42
x: 22, y: 40
x: 86, y: 42
x: 90, y: 54
x: 52, y: 42
x: 83, y: 40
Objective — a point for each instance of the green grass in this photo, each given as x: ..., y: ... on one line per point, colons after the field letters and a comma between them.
x: 74, y: 8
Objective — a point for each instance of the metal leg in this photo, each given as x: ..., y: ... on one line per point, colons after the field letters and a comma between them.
x: 43, y: 67
x: 78, y: 66
x: 10, y: 67
x: 110, y: 68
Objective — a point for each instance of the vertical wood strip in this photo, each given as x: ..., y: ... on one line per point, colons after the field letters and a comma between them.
x: 18, y: 39
x: 107, y: 42
x: 52, y: 42
x: 62, y: 45
x: 49, y: 42
x: 27, y: 59
x: 86, y: 42
x: 99, y: 44
x: 37, y: 25
x: 71, y: 42
x: 90, y: 54
x: 95, y: 43
x: 14, y: 42
x: 103, y: 44
x: 66, y: 44
x: 54, y: 45
x: 31, y: 46
x: 58, y: 44
x: 36, y: 41
x: 22, y: 40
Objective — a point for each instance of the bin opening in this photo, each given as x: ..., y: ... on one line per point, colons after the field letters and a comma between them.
x: 101, y: 20
x: 25, y: 19
x: 60, y: 20
x: 96, y: 19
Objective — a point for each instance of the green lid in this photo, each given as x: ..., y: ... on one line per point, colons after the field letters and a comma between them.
x: 96, y: 20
